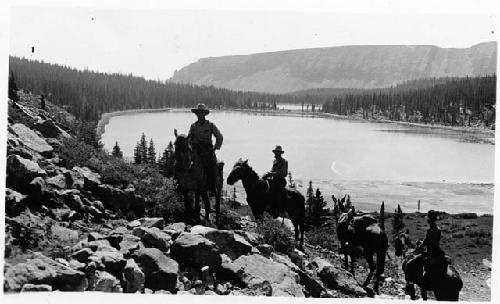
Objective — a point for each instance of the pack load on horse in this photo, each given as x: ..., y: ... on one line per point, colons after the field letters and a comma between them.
x: 429, y: 267
x: 196, y: 168
x: 361, y: 230
x: 259, y: 197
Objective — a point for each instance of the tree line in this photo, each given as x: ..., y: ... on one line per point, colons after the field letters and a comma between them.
x: 457, y: 102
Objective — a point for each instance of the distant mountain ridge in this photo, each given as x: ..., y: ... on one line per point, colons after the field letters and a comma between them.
x: 367, y: 66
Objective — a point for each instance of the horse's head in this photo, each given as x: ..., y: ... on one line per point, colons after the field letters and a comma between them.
x: 238, y: 172
x: 181, y: 143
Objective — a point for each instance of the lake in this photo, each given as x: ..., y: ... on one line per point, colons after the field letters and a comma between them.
x: 373, y: 162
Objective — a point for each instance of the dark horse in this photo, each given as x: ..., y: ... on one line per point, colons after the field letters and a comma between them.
x: 259, y: 198
x: 446, y: 288
x: 188, y: 172
x: 365, y: 232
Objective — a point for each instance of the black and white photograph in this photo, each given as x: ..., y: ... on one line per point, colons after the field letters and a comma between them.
x: 289, y: 149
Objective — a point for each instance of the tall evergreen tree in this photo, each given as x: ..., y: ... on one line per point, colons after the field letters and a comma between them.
x: 13, y: 88
x: 382, y: 216
x: 151, y: 154
x: 397, y: 221
x: 318, y: 210
x: 143, y: 150
x: 117, y: 152
x: 137, y: 154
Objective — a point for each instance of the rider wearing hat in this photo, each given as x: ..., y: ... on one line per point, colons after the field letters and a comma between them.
x: 434, y: 258
x: 277, y: 177
x: 200, y: 137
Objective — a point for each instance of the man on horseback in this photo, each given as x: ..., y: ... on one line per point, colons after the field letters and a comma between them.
x: 277, y: 179
x: 434, y: 259
x: 200, y: 138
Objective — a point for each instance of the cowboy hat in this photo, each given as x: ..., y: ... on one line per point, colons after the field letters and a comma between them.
x: 432, y: 215
x: 278, y: 149
x: 201, y: 109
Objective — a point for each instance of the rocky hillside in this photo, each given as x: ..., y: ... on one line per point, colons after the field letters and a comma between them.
x: 75, y: 228
x: 338, y: 67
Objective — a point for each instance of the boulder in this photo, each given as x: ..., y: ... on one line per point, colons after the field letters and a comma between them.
x: 123, y: 200
x: 133, y: 224
x: 48, y: 128
x: 74, y: 264
x: 251, y: 237
x: 178, y: 228
x: 36, y: 190
x: 21, y: 171
x: 82, y: 255
x: 129, y: 244
x: 109, y: 259
x: 265, y: 249
x: 106, y: 282
x: 134, y: 277
x: 36, y: 287
x: 43, y: 270
x: 201, y: 230
x: 91, y: 179
x: 74, y: 179
x: 58, y: 181
x: 28, y: 138
x: 74, y: 202
x: 154, y: 237
x: 229, y: 243
x: 150, y: 222
x: 160, y: 271
x: 94, y: 236
x: 195, y: 250
x: 262, y: 275
x: 338, y: 278
x: 15, y: 202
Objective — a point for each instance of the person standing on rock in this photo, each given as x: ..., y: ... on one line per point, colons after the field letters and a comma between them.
x: 200, y: 138
x: 277, y: 179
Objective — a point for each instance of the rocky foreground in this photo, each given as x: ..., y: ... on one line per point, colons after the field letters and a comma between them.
x: 67, y: 230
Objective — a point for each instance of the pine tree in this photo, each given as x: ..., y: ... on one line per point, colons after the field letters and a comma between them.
x: 309, y: 203
x: 151, y: 154
x: 397, y: 221
x: 137, y: 154
x: 382, y: 216
x: 42, y: 103
x: 13, y: 88
x: 117, y: 152
x: 318, y: 209
x: 143, y: 150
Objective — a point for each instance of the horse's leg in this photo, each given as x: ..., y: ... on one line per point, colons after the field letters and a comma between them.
x: 217, y: 204
x: 197, y: 206
x: 352, y: 261
x: 371, y: 264
x: 380, y: 268
x: 410, y: 290
x: 206, y: 202
x: 187, y: 205
x: 302, y: 236
x: 423, y: 292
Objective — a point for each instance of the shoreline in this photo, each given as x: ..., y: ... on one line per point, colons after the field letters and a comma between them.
x: 485, y: 136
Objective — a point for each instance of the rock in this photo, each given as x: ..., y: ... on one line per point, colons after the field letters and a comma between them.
x: 199, y: 287
x: 150, y: 222
x: 207, y: 277
x: 74, y: 264
x: 251, y: 237
x: 82, y: 255
x: 74, y: 179
x: 34, y: 287
x: 109, y: 259
x: 133, y: 224
x: 43, y: 270
x: 28, y: 138
x: 153, y: 237
x: 63, y: 234
x: 160, y: 271
x: 338, y: 278
x: 58, y: 181
x: 263, y: 276
x: 201, y: 230
x: 74, y: 202
x: 195, y: 250
x: 179, y: 228
x: 229, y: 243
x: 265, y: 249
x: 124, y: 200
x: 99, y: 245
x: 134, y: 277
x: 221, y: 289
x: 21, y: 171
x: 129, y: 244
x: 91, y: 180
x: 36, y: 189
x: 106, y: 282
x: 48, y: 128
x: 15, y: 202
x: 115, y: 239
x: 139, y: 231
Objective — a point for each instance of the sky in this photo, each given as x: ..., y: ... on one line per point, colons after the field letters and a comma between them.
x: 155, y: 42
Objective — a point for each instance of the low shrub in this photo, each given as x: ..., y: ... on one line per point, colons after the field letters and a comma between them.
x: 324, y: 237
x: 276, y: 234
x: 76, y: 153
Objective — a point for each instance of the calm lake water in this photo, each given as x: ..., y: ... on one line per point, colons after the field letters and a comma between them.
x: 373, y: 162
